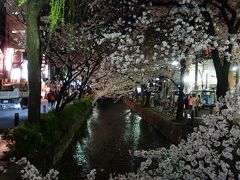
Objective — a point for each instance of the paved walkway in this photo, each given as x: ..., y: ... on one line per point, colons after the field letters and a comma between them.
x: 7, y: 116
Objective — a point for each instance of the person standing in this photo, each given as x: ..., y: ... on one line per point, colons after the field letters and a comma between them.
x: 190, y: 103
x: 194, y: 105
x: 49, y: 94
x: 53, y: 99
x: 199, y: 102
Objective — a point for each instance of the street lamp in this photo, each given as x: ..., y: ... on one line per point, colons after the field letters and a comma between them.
x: 139, y: 89
x: 175, y: 63
x: 234, y: 68
x: 186, y: 79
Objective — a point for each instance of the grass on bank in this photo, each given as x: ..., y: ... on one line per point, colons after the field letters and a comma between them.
x: 37, y: 141
x: 163, y: 115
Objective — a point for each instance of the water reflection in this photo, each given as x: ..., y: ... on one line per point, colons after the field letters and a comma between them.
x: 111, y: 132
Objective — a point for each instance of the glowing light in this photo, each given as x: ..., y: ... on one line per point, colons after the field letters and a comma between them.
x: 9, y: 58
x: 234, y: 68
x: 25, y: 70
x: 47, y: 89
x: 186, y: 79
x: 174, y: 63
x: 16, y: 74
x: 139, y: 90
x: 45, y: 72
x: 18, y: 31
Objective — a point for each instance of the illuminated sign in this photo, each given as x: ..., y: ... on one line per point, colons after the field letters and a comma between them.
x: 1, y: 63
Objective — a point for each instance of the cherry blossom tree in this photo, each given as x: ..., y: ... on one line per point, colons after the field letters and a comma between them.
x: 223, y: 21
x: 185, y: 30
x: 76, y: 58
x: 167, y: 43
x: 129, y: 65
x: 57, y: 15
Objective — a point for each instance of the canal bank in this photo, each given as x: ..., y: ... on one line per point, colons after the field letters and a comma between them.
x: 170, y: 130
x: 44, y: 143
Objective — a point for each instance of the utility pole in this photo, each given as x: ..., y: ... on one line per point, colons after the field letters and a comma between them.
x: 237, y: 74
x: 206, y: 79
x: 196, y: 75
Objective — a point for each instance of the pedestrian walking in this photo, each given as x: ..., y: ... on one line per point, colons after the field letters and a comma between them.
x: 195, y: 105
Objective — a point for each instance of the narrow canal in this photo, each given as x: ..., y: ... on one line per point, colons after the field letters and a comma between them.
x: 104, y: 143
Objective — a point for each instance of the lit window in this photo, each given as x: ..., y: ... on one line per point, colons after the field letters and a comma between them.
x: 9, y: 58
x: 16, y: 74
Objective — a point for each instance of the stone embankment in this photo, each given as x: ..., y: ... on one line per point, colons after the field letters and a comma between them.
x: 172, y: 131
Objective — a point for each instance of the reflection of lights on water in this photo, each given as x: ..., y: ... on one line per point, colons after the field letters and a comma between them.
x: 132, y: 130
x: 79, y: 153
x: 93, y: 118
x: 81, y: 147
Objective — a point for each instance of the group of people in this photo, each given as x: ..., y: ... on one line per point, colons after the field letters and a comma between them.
x: 51, y: 97
x: 193, y: 103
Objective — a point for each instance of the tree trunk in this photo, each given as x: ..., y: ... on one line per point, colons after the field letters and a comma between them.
x: 222, y: 72
x: 179, y: 115
x: 34, y: 60
x: 222, y: 69
x: 60, y: 96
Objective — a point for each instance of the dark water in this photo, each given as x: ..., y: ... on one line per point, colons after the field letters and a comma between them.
x: 105, y: 141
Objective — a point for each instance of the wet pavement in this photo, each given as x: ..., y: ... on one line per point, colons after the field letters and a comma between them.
x: 105, y: 142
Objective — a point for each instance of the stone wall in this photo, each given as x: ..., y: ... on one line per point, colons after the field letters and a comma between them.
x: 68, y: 136
x: 172, y: 131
